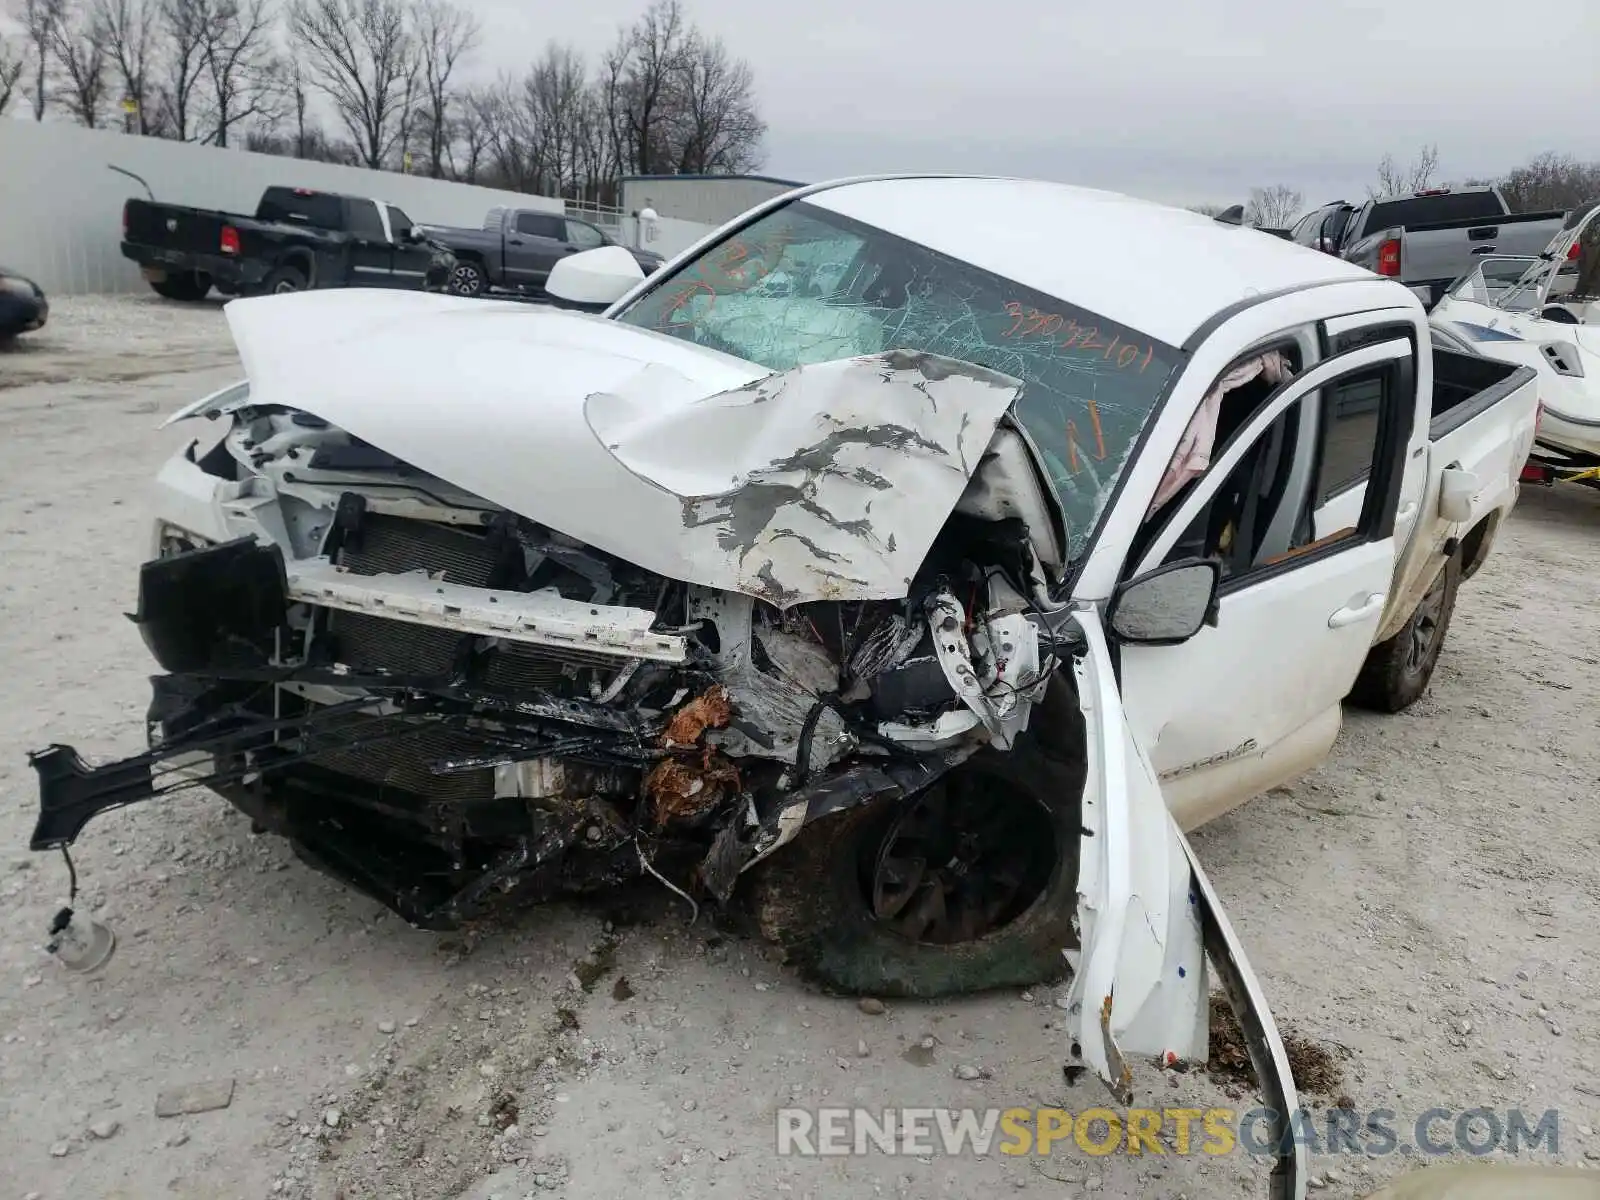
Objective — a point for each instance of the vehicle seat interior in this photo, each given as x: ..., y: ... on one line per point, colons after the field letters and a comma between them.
x: 1240, y: 526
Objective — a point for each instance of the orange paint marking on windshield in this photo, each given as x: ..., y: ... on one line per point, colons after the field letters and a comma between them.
x: 1027, y: 322
x: 1099, y: 434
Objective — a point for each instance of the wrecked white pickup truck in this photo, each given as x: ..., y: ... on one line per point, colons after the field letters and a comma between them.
x: 869, y: 561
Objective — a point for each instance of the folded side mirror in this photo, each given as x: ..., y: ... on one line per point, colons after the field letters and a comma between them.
x: 1168, y: 605
x: 1457, y: 490
x: 599, y: 276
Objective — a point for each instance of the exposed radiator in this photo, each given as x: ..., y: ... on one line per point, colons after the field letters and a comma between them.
x: 405, y: 763
x: 394, y: 545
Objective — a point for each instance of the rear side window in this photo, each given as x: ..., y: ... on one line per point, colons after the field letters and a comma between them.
x: 316, y: 209
x: 542, y: 225
x: 1429, y: 210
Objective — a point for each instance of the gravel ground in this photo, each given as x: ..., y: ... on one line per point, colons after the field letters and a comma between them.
x: 1424, y: 907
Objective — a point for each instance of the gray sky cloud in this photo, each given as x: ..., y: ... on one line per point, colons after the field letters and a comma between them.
x: 1172, y: 99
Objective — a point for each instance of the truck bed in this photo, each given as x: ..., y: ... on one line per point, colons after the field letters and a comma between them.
x: 1482, y: 423
x: 1467, y: 385
x: 175, y: 228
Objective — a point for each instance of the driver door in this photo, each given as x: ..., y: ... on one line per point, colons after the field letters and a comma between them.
x: 371, y: 252
x: 411, y: 258
x: 1150, y: 925
x: 1254, y: 699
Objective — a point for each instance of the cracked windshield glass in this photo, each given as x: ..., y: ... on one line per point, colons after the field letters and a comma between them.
x: 803, y: 285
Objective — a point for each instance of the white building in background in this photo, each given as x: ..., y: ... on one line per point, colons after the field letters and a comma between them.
x: 704, y: 199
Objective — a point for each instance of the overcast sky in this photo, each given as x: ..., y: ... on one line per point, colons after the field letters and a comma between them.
x: 1177, y: 100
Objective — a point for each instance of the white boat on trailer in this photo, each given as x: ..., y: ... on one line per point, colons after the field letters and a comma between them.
x: 1544, y: 312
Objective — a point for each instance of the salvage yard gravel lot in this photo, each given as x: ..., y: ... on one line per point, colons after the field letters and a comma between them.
x: 1425, y: 908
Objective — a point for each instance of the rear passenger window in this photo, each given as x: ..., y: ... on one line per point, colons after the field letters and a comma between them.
x: 542, y: 225
x: 1351, y: 409
x: 316, y: 209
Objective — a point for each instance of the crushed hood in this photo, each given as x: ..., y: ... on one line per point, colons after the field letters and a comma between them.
x: 829, y: 481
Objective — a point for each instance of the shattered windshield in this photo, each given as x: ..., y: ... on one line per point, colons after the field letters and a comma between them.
x: 803, y: 285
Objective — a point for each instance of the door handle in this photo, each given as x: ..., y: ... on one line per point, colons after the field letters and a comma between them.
x: 515, y: 241
x: 1352, y: 613
x: 1484, y: 250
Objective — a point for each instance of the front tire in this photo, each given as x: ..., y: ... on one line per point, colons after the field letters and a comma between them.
x: 467, y: 279
x: 969, y: 886
x: 1397, y: 671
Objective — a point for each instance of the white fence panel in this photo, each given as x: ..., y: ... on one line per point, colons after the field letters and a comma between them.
x: 61, y: 205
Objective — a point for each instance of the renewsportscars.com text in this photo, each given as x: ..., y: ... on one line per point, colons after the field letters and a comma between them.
x: 920, y: 1132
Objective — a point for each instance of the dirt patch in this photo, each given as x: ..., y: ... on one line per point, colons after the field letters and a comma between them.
x: 1317, y: 1070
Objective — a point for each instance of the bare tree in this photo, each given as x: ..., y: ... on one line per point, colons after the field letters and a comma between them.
x: 1415, y: 176
x: 719, y: 129
x: 236, y: 48
x: 79, y: 47
x: 362, y: 56
x: 1551, y: 181
x: 466, y: 131
x: 182, y: 28
x: 555, y: 94
x: 295, y: 90
x: 650, y: 57
x: 445, y: 34
x: 39, y: 20
x: 128, y: 28
x: 1273, y: 207
x: 12, y: 63
x: 514, y: 151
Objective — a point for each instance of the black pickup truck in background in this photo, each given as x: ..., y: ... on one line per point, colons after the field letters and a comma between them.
x: 297, y: 239
x: 517, y: 248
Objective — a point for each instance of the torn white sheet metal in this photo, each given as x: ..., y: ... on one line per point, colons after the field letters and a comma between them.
x: 770, y: 707
x: 825, y: 482
x: 1140, y: 983
x: 946, y: 728
x: 995, y: 673
x: 542, y: 618
x: 828, y: 481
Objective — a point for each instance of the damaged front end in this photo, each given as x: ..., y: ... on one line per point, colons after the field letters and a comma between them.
x: 448, y: 704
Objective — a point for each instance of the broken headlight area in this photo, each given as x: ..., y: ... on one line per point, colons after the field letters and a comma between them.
x: 447, y: 715
x: 173, y: 539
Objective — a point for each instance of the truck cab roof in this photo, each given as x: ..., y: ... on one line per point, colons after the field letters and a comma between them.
x: 1165, y: 271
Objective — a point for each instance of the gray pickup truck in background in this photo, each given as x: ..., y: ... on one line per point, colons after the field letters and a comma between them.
x: 517, y: 248
x: 1429, y: 239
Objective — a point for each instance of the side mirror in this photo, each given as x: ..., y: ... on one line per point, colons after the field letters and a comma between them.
x: 415, y: 234
x: 1457, y: 490
x: 1168, y: 605
x: 599, y: 276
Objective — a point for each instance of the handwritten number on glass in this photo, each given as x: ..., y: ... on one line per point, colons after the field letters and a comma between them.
x: 1029, y: 322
